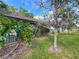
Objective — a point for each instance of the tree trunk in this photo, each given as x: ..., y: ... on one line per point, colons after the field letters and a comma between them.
x: 55, y: 46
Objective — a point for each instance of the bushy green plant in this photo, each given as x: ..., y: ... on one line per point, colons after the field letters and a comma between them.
x: 24, y: 30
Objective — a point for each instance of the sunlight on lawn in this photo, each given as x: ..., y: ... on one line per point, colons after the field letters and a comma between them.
x: 68, y: 43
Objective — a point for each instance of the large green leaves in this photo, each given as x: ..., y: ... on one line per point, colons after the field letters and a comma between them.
x: 24, y: 30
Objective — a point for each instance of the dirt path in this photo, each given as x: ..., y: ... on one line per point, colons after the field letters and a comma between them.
x: 19, y: 52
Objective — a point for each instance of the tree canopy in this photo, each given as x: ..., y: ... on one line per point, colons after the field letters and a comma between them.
x: 25, y: 12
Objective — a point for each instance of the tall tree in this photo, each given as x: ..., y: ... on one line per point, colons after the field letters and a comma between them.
x: 56, y: 5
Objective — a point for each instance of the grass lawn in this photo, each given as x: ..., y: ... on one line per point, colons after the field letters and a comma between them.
x: 69, y: 44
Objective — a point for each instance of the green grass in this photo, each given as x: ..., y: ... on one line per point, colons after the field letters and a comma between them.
x: 69, y: 44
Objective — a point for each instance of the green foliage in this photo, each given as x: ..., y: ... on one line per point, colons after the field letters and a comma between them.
x: 22, y: 11
x: 2, y: 4
x: 6, y: 24
x: 29, y: 15
x: 62, y: 10
x: 24, y: 30
x: 25, y: 12
x: 11, y: 9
